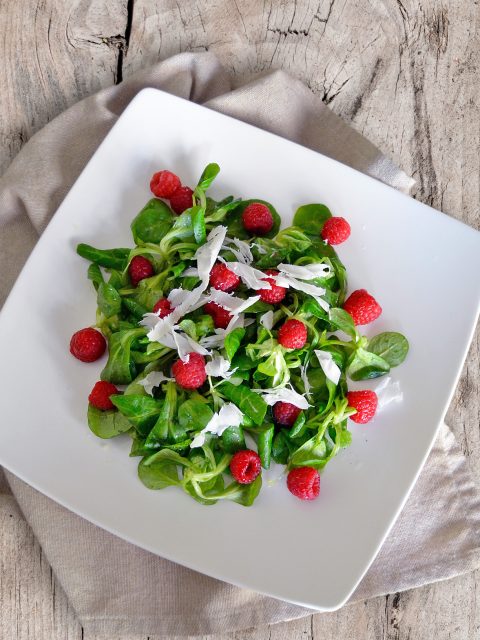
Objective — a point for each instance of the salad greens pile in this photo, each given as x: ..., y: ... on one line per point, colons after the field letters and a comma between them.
x: 184, y: 438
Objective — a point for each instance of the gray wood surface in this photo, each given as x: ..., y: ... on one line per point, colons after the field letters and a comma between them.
x: 404, y: 73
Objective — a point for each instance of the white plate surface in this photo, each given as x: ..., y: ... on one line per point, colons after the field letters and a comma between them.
x: 421, y: 265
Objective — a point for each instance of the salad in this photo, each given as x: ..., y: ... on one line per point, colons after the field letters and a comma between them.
x: 230, y: 343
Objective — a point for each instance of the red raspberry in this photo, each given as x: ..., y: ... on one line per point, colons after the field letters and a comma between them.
x: 257, y: 219
x: 304, y: 483
x: 335, y: 230
x: 164, y: 184
x: 365, y: 402
x: 191, y: 374
x: 275, y: 294
x: 182, y: 199
x: 222, y: 278
x: 87, y: 345
x: 245, y: 466
x: 292, y: 334
x: 100, y: 395
x: 139, y: 269
x: 163, y: 307
x: 362, y: 307
x: 285, y: 413
x: 221, y: 316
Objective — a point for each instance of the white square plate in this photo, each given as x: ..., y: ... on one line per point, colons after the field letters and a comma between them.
x: 421, y: 265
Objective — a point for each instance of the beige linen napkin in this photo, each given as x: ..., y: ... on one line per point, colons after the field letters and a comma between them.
x: 115, y: 587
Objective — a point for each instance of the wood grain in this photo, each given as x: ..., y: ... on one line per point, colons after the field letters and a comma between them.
x: 403, y: 72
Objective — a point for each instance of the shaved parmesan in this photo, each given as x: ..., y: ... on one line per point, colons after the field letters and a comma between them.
x: 230, y: 302
x: 267, y: 320
x: 305, y: 272
x: 305, y: 380
x: 253, y: 278
x: 183, y: 300
x: 149, y: 320
x: 219, y: 367
x: 170, y: 335
x: 228, y: 416
x: 218, y: 338
x: 329, y: 366
x: 283, y: 394
x: 176, y: 297
x: 260, y: 249
x: 191, y: 271
x: 207, y: 254
x: 241, y: 251
x: 152, y: 380
x: 313, y: 290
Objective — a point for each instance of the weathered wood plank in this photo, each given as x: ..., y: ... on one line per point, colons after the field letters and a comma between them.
x: 53, y: 53
x: 403, y: 72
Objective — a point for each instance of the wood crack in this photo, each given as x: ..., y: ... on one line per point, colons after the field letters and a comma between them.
x: 289, y: 32
x: 368, y: 89
x: 124, y: 42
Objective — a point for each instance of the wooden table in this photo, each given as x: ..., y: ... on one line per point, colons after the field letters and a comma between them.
x: 404, y: 73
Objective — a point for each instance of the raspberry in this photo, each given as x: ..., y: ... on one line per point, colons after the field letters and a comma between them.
x: 335, y: 230
x: 221, y: 317
x: 365, y: 402
x: 87, y: 345
x: 100, y: 395
x: 245, y: 466
x: 275, y: 294
x: 304, y: 483
x: 292, y: 334
x: 139, y: 269
x: 362, y: 307
x: 222, y: 278
x: 257, y: 219
x: 182, y: 199
x: 285, y: 413
x: 191, y: 374
x: 163, y: 307
x: 164, y: 184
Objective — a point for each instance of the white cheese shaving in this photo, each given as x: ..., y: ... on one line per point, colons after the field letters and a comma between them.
x: 163, y: 329
x: 218, y: 338
x: 305, y: 272
x: 253, y: 278
x: 283, y: 394
x: 183, y: 343
x: 152, y: 380
x: 260, y: 249
x: 267, y: 320
x: 313, y: 290
x: 329, y: 366
x: 176, y: 297
x: 228, y: 416
x: 149, y: 320
x: 191, y: 271
x: 241, y: 251
x: 219, y: 367
x: 207, y: 254
x: 305, y: 380
x: 170, y: 335
x: 230, y: 302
